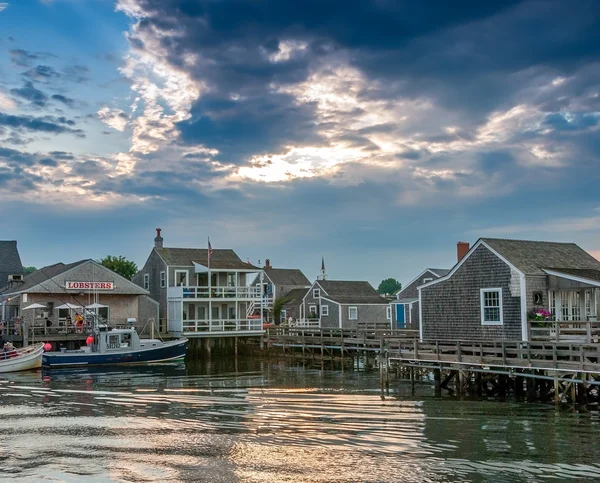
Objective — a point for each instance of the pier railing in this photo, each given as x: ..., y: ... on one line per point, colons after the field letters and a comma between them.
x: 222, y: 325
x: 576, y: 331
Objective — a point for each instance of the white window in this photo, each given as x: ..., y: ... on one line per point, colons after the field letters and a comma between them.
x: 388, y: 312
x: 352, y: 313
x: 283, y: 315
x: 181, y: 278
x: 163, y: 279
x: 429, y: 279
x: 324, y: 309
x: 316, y: 293
x: 552, y: 304
x: 146, y: 281
x: 588, y: 303
x: 491, y: 306
x: 312, y: 310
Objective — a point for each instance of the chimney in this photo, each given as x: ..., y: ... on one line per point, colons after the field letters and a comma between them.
x: 267, y: 263
x: 462, y: 249
x: 158, y: 241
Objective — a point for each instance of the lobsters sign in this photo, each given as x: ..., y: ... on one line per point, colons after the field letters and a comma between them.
x: 90, y: 285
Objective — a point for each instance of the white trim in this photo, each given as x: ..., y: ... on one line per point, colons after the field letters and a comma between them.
x: 160, y: 278
x: 420, y: 318
x: 355, y: 308
x: 340, y: 316
x: 187, y: 277
x: 482, y: 292
x: 146, y: 281
x: 427, y: 279
x: 316, y: 296
x: 316, y: 312
x: 414, y: 280
x: 325, y: 308
x: 388, y: 312
x: 574, y: 278
x: 465, y: 258
x: 524, y: 324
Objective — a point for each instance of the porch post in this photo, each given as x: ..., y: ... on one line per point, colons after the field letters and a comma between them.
x: 236, y: 303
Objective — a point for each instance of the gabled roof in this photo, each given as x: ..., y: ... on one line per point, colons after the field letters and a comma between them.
x: 345, y: 292
x: 440, y: 272
x: 287, y: 276
x: 221, y: 259
x: 295, y: 296
x: 530, y: 257
x: 409, y: 291
x: 42, y: 274
x: 10, y: 261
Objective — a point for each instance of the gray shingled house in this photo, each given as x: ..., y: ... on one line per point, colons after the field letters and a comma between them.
x: 278, y: 283
x: 343, y: 304
x: 10, y: 262
x: 196, y: 298
x: 404, y: 311
x: 80, y: 284
x: 489, y: 292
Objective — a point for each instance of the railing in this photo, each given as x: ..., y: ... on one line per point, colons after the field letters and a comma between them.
x: 578, y: 331
x: 214, y: 292
x: 308, y: 323
x: 222, y: 325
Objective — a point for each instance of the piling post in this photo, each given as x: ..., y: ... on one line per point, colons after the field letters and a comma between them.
x: 235, y: 343
x: 437, y: 381
x: 556, y: 387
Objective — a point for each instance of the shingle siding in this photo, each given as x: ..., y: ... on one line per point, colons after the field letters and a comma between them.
x: 331, y: 321
x: 451, y: 309
x: 153, y: 266
x: 410, y: 291
x: 367, y: 314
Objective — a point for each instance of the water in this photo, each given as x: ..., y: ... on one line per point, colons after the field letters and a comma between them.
x: 266, y: 422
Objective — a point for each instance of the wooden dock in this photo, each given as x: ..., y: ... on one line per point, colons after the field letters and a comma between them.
x: 563, y: 371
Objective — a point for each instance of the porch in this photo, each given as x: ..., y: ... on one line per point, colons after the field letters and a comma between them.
x: 218, y: 292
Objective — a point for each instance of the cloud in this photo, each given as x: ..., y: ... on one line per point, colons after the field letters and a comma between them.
x: 25, y: 58
x: 114, y: 118
x: 6, y: 103
x: 45, y: 124
x: 3, y: 6
x: 31, y: 94
x: 65, y: 100
x: 41, y: 73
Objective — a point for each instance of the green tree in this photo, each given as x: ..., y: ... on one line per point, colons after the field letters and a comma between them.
x: 122, y: 266
x: 278, y: 304
x: 28, y: 270
x: 390, y: 286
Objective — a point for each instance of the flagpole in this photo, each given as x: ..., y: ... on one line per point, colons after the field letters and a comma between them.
x: 209, y: 289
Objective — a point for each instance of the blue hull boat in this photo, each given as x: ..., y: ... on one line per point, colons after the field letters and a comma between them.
x: 114, y: 347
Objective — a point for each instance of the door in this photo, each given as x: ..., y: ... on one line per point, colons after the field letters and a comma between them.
x: 400, y: 322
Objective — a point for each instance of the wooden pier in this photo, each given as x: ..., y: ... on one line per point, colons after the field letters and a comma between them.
x: 566, y: 371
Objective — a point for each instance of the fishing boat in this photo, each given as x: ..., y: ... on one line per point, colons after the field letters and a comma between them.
x: 107, y: 346
x: 24, y: 359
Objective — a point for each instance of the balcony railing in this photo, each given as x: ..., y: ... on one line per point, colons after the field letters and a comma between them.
x: 577, y: 331
x: 222, y: 325
x: 312, y: 323
x: 247, y: 293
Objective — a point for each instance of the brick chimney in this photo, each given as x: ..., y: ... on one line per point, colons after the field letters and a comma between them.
x: 267, y: 263
x: 158, y: 241
x: 462, y: 248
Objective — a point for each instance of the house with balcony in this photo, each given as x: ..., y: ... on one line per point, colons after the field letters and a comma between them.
x: 280, y: 283
x: 343, y: 305
x: 497, y: 286
x: 201, y: 297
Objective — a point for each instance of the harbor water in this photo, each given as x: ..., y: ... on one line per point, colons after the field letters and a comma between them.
x: 267, y: 421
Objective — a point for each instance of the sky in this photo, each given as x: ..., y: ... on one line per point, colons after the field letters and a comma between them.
x: 373, y: 133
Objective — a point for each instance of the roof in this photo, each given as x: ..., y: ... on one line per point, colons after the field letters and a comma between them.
x: 295, y: 296
x: 287, y: 276
x: 442, y: 272
x: 221, y: 258
x: 345, y: 292
x: 10, y: 261
x: 587, y: 273
x: 406, y: 300
x: 43, y: 274
x: 530, y: 257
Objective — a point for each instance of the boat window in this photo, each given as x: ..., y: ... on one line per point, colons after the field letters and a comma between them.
x: 113, y: 341
x: 126, y: 340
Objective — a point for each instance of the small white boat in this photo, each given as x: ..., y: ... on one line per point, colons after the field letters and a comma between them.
x: 24, y: 359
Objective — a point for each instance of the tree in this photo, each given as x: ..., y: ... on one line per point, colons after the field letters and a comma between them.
x: 389, y: 286
x: 278, y: 307
x: 122, y: 266
x: 28, y: 270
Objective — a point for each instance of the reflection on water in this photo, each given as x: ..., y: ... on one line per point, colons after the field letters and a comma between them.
x: 263, y: 422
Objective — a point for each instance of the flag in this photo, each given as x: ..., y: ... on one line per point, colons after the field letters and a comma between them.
x: 210, y: 250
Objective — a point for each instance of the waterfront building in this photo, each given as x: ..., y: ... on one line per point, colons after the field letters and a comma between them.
x: 277, y: 283
x: 46, y: 301
x: 343, y: 304
x: 10, y: 262
x: 202, y: 291
x: 497, y: 283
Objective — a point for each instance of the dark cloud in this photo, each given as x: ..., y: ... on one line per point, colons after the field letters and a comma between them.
x: 25, y: 58
x: 41, y: 73
x: 45, y: 124
x: 65, y: 100
x: 31, y: 94
x: 76, y: 73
